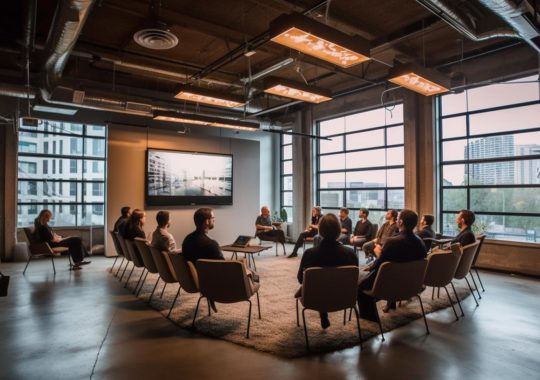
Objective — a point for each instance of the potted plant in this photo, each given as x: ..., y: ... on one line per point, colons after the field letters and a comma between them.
x: 280, y: 220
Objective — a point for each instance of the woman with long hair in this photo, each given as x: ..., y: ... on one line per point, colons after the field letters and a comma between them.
x: 134, y: 225
x: 44, y: 233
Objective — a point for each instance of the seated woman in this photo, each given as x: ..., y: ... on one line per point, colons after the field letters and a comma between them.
x: 134, y: 226
x: 44, y: 233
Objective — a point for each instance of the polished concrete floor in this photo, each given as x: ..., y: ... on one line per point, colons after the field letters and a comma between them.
x: 84, y: 324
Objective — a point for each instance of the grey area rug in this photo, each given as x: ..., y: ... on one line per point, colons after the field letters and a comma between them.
x: 277, y: 332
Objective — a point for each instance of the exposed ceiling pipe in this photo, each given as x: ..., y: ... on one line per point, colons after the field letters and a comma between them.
x: 16, y: 91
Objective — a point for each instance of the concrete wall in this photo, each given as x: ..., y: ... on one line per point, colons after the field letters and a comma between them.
x: 126, y: 175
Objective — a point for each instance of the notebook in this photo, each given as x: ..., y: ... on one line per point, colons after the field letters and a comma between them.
x: 241, y: 241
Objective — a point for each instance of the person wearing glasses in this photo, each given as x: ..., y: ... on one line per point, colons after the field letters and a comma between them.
x: 197, y: 245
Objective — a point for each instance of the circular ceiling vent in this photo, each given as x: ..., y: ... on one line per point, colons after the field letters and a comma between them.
x: 157, y: 39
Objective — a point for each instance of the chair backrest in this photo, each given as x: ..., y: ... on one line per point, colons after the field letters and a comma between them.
x: 427, y: 242
x: 134, y: 253
x: 116, y: 243
x: 36, y: 247
x: 442, y: 266
x: 185, y: 272
x: 397, y: 281
x: 330, y: 288
x: 123, y: 245
x: 30, y: 235
x: 480, y: 239
x: 223, y: 280
x: 146, y: 256
x: 467, y: 257
x: 373, y: 231
x: 162, y: 265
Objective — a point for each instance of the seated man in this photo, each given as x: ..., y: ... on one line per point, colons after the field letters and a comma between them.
x: 329, y: 253
x: 465, y: 219
x: 362, y: 229
x: 425, y: 231
x: 403, y: 247
x: 197, y: 245
x: 346, y: 228
x: 265, y: 230
x: 388, y: 229
x: 162, y: 239
x: 125, y: 213
x: 316, y: 214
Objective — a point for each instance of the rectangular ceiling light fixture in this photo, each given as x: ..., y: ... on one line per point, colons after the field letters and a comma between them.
x: 419, y: 79
x: 206, y: 121
x: 207, y: 96
x: 318, y: 40
x: 295, y: 90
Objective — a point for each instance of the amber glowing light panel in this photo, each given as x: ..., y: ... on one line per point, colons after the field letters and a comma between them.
x: 294, y: 93
x: 231, y: 125
x: 198, y: 98
x: 419, y: 84
x: 319, y: 47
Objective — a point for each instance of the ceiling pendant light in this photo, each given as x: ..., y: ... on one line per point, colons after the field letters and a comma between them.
x: 206, y: 121
x: 207, y: 96
x: 419, y: 79
x: 295, y: 90
x: 301, y: 33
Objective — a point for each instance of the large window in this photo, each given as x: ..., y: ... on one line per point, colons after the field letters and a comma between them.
x: 44, y: 182
x: 489, y: 148
x: 362, y: 163
x: 286, y: 175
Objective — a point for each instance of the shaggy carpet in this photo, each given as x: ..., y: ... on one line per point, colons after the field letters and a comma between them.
x: 277, y: 332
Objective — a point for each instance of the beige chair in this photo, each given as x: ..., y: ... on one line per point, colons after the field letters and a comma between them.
x: 440, y: 270
x: 136, y: 259
x: 127, y: 254
x: 38, y: 250
x: 398, y: 282
x: 226, y: 281
x: 164, y: 270
x: 148, y: 260
x: 327, y: 290
x: 480, y: 238
x: 464, y: 268
x: 186, y: 273
x: 118, y: 250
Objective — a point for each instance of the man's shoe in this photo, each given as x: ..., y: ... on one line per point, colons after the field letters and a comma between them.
x: 389, y: 306
x: 85, y: 262
x: 294, y: 254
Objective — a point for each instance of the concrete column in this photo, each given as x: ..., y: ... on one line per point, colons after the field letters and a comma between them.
x: 8, y: 190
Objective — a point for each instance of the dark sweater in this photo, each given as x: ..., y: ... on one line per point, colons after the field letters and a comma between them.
x: 465, y: 237
x: 197, y: 245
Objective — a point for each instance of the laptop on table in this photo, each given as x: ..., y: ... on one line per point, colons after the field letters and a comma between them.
x: 241, y: 241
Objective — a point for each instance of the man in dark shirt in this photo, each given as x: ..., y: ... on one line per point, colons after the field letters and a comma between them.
x: 329, y: 253
x: 362, y: 230
x: 403, y: 247
x: 346, y: 228
x: 316, y: 214
x: 388, y: 229
x: 465, y: 219
x: 197, y: 245
x: 125, y: 213
x: 425, y: 231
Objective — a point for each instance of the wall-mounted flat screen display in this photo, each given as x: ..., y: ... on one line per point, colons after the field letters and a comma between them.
x: 188, y: 178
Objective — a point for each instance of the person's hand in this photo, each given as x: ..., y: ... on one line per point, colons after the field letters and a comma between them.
x: 377, y: 250
x: 367, y: 269
x: 56, y: 238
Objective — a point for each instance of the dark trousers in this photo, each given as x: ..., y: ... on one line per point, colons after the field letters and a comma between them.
x: 366, y: 303
x: 75, y: 247
x: 303, y: 237
x: 274, y: 235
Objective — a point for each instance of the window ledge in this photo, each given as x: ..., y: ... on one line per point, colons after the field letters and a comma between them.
x: 511, y: 243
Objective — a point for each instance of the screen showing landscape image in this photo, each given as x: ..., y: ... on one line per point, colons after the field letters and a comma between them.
x: 188, y: 178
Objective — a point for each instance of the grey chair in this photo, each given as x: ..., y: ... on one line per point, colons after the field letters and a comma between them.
x: 136, y: 259
x: 441, y: 269
x: 39, y: 250
x: 164, y: 269
x: 480, y: 238
x: 397, y: 281
x: 186, y: 273
x: 464, y: 268
x: 328, y: 290
x: 127, y: 253
x: 148, y: 260
x: 118, y: 249
x: 226, y: 281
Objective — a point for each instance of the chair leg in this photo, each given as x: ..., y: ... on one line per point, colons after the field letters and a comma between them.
x: 53, y: 267
x: 209, y: 308
x: 28, y: 262
x: 423, y: 313
x: 259, y: 305
x: 350, y: 314
x: 472, y: 291
x: 130, y: 273
x: 177, y: 294
x: 344, y: 316
x: 457, y: 297
x: 284, y: 251
x: 163, y: 290
x: 144, y: 280
x: 432, y: 292
x: 379, y: 321
x: 451, y: 303
x: 115, y: 260
x: 153, y: 290
x: 305, y: 327
x: 358, y: 325
x: 297, y: 317
x: 475, y: 286
x: 249, y: 319
x: 196, y: 311
x: 138, y: 282
x: 120, y: 266
x: 479, y: 279
x: 122, y: 276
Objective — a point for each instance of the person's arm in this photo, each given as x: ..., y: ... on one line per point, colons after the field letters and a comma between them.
x: 347, y: 226
x: 261, y: 227
x: 215, y: 252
